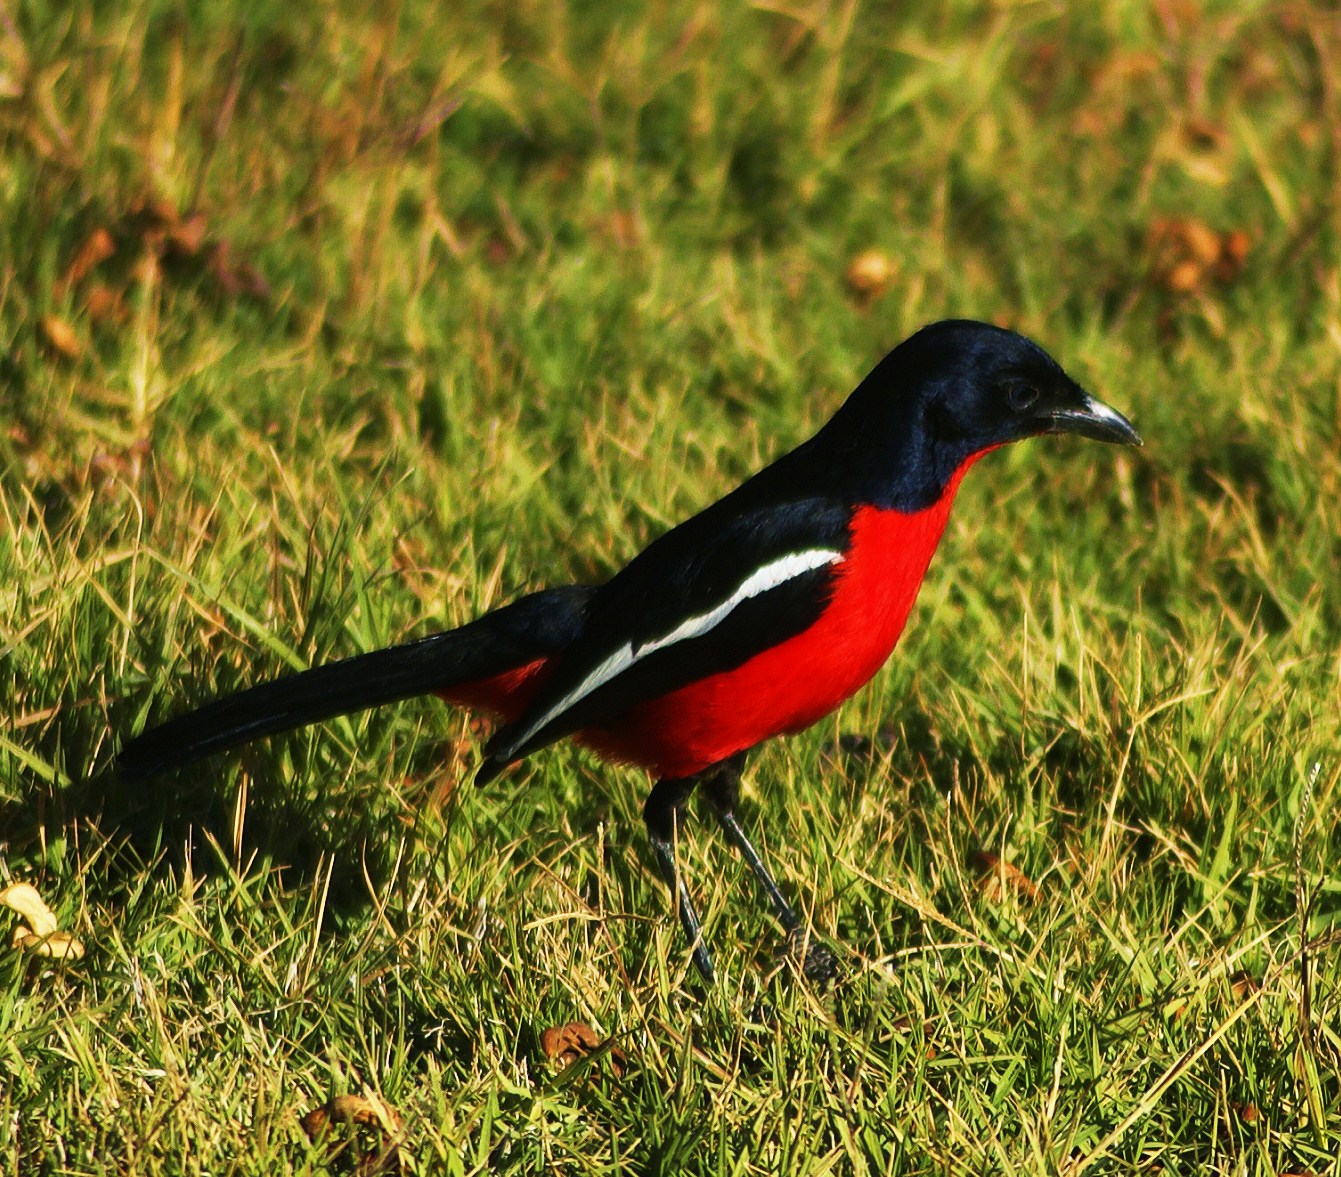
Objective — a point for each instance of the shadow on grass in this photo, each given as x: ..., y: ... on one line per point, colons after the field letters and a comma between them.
x: 291, y: 811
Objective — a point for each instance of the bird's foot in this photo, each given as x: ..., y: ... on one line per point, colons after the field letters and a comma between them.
x: 818, y: 964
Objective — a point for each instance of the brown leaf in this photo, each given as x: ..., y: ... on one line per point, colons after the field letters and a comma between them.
x: 1203, y: 134
x: 97, y: 248
x: 188, y: 235
x: 153, y: 216
x: 870, y: 273
x: 994, y: 871
x: 903, y: 1024
x: 437, y: 113
x: 1200, y: 242
x: 1186, y: 254
x: 1243, y: 985
x: 162, y: 230
x: 61, y: 337
x: 373, y: 1130
x: 565, y: 1045
x: 166, y: 234
x: 15, y: 65
x: 105, y: 305
x: 1185, y: 277
x: 1234, y: 247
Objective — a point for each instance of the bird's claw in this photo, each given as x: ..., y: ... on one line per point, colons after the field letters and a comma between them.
x: 818, y: 964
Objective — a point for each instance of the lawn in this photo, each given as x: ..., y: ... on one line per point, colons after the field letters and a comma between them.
x: 326, y: 328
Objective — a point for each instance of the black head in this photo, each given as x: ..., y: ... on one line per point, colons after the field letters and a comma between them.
x: 955, y: 389
x: 983, y: 386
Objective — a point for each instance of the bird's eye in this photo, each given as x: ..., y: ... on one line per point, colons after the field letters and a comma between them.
x: 1022, y: 397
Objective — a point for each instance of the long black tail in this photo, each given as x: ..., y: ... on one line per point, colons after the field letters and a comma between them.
x: 535, y: 626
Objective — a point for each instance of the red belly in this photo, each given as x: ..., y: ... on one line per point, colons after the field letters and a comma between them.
x: 789, y: 687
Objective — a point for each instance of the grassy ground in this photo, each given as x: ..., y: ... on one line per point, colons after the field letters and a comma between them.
x: 320, y: 329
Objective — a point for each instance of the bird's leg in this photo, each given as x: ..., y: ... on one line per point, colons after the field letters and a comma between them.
x: 661, y: 816
x: 721, y: 784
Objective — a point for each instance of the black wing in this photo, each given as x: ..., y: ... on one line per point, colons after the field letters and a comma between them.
x: 704, y: 598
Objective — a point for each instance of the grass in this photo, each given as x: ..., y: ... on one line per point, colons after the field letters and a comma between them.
x: 477, y: 301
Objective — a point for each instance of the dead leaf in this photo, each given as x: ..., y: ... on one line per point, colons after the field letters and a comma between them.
x: 870, y: 273
x: 1187, y: 254
x: 1243, y: 985
x: 97, y: 248
x: 995, y: 874
x: 565, y: 1045
x: 43, y: 935
x: 1234, y: 247
x: 25, y: 899
x: 58, y: 945
x: 61, y: 337
x: 185, y: 241
x: 1184, y: 277
x: 153, y: 214
x: 105, y: 305
x: 437, y: 113
x: 372, y: 1140
x: 1204, y: 135
x: 15, y: 65
x: 187, y: 235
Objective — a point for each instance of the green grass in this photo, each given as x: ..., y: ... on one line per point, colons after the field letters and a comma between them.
x: 539, y: 281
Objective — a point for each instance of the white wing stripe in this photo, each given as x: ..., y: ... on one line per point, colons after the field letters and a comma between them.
x: 760, y: 581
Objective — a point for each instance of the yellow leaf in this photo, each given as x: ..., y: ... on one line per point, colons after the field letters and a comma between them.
x: 871, y: 273
x: 42, y: 935
x: 375, y: 1150
x: 60, y: 945
x: 61, y: 336
x: 23, y: 898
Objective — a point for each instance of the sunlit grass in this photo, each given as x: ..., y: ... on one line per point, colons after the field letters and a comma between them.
x: 483, y: 299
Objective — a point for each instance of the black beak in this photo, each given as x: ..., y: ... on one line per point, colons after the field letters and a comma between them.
x: 1093, y: 419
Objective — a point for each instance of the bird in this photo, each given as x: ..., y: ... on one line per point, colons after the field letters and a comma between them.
x: 752, y: 619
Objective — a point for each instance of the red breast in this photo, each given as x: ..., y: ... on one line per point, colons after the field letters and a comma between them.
x: 789, y: 687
